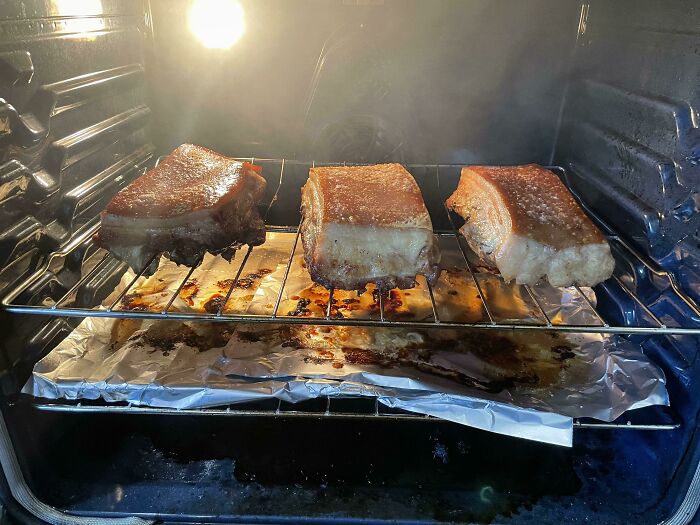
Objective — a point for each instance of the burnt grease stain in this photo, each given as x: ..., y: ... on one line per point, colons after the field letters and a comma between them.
x: 562, y: 353
x: 214, y: 304
x: 301, y: 308
x: 189, y: 291
x: 251, y: 337
x: 313, y: 302
x: 246, y: 281
x: 134, y: 302
x: 418, y: 358
x: 455, y: 473
x: 292, y: 342
x: 166, y: 340
x: 508, y: 363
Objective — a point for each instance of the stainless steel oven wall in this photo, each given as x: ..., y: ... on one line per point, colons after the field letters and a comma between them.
x: 630, y: 130
x: 73, y: 130
x: 408, y: 80
x: 630, y: 139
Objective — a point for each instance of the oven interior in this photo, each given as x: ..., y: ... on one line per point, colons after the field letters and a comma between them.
x: 94, y: 92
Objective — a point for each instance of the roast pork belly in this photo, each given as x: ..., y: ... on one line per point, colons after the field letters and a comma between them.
x: 366, y: 224
x: 524, y: 221
x: 194, y: 201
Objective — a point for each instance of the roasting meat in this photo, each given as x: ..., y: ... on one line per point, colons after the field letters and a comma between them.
x: 366, y: 224
x: 194, y: 201
x: 524, y: 221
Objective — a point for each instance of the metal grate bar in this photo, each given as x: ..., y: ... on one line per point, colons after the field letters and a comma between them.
x: 595, y: 310
x: 235, y: 281
x: 329, y: 305
x: 279, y: 185
x: 179, y: 288
x: 13, y: 304
x: 640, y: 302
x: 539, y: 305
x: 286, y: 273
x: 131, y: 284
x: 371, y: 410
x: 432, y: 303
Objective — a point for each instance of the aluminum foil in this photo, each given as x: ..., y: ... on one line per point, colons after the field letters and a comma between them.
x: 525, y: 384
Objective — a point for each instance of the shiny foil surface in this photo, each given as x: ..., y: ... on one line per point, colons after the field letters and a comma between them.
x: 529, y: 384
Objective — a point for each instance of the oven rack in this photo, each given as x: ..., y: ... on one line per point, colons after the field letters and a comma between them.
x: 19, y: 300
x: 650, y: 418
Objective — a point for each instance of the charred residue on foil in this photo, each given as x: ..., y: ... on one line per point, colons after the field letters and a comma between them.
x: 214, y: 303
x: 166, y: 336
x: 189, y: 291
x: 247, y: 281
x: 312, y: 301
x: 528, y: 360
x: 135, y: 302
x: 198, y: 293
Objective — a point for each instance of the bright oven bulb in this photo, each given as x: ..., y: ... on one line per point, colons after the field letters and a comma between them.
x: 217, y: 24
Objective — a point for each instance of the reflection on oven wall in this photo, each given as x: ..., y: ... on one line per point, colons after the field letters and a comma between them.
x: 367, y: 81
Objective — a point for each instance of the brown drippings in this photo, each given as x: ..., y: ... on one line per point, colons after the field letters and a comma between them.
x: 252, y: 337
x: 315, y: 360
x: 348, y: 304
x: 134, y: 302
x: 247, y: 281
x: 301, y: 308
x: 189, y: 291
x: 359, y: 356
x: 292, y: 342
x: 393, y: 302
x: 214, y: 303
x: 562, y: 353
x: 534, y: 360
x: 165, y: 338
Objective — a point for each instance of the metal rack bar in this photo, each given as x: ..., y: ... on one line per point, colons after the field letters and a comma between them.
x: 595, y: 310
x: 286, y: 273
x: 179, y: 288
x: 322, y: 321
x: 329, y: 304
x: 279, y: 185
x: 539, y: 305
x: 235, y: 282
x: 371, y: 410
x: 436, y: 317
x: 640, y: 303
x: 12, y: 304
x: 131, y: 283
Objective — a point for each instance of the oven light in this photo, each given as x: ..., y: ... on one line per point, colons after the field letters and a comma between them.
x: 217, y: 24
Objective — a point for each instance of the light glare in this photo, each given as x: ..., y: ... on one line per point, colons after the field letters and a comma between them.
x: 80, y: 16
x: 217, y: 24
